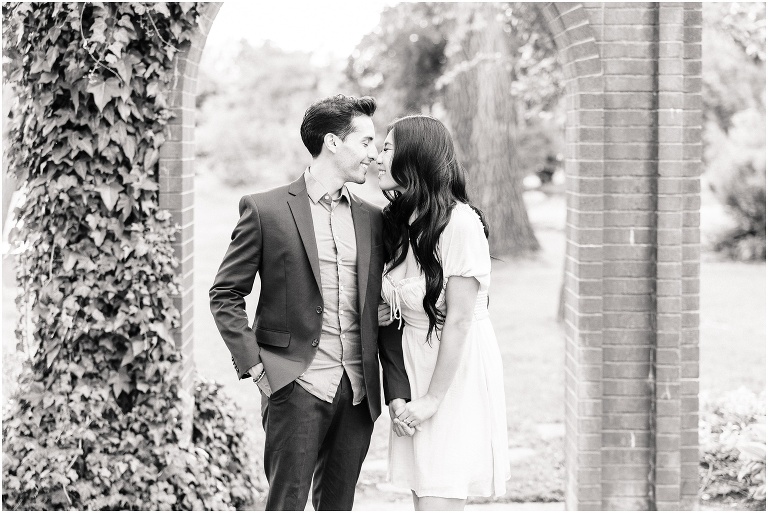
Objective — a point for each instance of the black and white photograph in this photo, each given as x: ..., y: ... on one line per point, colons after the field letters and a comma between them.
x: 383, y: 256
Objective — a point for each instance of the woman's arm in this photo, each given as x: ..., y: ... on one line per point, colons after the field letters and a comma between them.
x: 460, y: 297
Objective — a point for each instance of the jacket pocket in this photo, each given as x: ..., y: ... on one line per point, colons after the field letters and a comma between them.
x: 268, y: 337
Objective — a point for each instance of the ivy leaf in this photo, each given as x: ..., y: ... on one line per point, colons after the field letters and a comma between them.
x: 98, y: 237
x: 81, y: 169
x: 104, y: 90
x: 70, y: 261
x: 51, y: 355
x: 127, y: 358
x: 150, y: 159
x: 98, y: 29
x: 139, y: 346
x: 161, y: 8
x: 124, y: 110
x: 162, y: 331
x: 50, y: 57
x: 120, y: 382
x: 129, y: 148
x: 109, y: 194
x: 124, y: 69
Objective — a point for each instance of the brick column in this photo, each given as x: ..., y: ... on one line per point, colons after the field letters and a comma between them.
x: 691, y: 252
x: 177, y: 174
x: 632, y: 157
x: 584, y: 252
x: 666, y: 358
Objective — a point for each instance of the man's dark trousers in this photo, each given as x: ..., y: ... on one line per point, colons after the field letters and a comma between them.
x: 307, y: 436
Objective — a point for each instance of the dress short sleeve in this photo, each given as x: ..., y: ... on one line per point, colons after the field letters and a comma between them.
x: 463, y: 246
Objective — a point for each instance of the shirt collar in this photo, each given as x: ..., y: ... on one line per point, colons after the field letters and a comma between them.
x: 316, y: 190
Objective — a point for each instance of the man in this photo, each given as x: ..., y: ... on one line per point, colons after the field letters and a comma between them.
x: 314, y: 343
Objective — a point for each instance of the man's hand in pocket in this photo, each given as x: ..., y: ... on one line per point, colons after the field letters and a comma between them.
x: 260, y: 378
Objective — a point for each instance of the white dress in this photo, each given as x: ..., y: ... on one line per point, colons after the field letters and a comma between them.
x: 462, y: 450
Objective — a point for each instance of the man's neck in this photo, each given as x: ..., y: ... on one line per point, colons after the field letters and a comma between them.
x: 327, y: 175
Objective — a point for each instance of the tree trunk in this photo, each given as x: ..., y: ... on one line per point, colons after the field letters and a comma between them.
x: 483, y: 120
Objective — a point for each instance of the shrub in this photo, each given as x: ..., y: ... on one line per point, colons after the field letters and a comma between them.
x: 222, y: 433
x: 737, y: 176
x: 732, y: 447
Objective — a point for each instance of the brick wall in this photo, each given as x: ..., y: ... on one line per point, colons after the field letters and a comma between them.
x: 633, y: 148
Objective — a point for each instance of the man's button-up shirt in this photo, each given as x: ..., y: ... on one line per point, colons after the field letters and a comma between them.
x: 339, y: 349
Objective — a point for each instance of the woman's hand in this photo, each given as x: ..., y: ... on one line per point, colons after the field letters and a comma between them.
x: 419, y: 411
x: 397, y: 406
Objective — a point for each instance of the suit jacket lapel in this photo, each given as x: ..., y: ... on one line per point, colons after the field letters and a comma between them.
x: 362, y: 222
x: 298, y: 202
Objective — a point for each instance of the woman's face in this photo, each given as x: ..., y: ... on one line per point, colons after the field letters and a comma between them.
x: 384, y: 160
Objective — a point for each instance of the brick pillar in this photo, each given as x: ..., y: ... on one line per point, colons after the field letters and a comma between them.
x: 632, y: 161
x: 691, y: 252
x: 584, y: 252
x: 666, y: 358
x: 177, y: 174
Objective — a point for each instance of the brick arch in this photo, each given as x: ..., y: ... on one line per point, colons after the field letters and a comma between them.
x: 633, y: 148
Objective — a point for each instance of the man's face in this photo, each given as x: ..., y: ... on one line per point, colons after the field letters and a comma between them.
x: 355, y: 153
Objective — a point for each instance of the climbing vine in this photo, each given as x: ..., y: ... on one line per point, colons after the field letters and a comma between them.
x: 96, y: 422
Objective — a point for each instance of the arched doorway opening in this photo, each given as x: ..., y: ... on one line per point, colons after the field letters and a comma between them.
x: 632, y: 154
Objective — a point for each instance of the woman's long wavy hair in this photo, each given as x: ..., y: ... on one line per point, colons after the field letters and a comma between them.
x: 425, y: 165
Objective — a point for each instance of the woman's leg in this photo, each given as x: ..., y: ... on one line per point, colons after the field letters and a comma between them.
x: 438, y: 504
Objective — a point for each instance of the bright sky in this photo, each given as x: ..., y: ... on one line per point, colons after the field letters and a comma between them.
x: 330, y: 29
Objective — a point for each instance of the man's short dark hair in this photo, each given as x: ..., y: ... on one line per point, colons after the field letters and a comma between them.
x: 332, y: 115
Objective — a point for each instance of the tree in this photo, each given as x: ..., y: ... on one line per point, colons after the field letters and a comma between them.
x: 249, y: 118
x: 483, y: 116
x: 417, y: 52
x: 733, y: 93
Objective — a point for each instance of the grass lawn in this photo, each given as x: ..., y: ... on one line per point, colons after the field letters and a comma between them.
x: 524, y: 295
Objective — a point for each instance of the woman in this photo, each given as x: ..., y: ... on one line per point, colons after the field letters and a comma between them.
x: 436, y: 283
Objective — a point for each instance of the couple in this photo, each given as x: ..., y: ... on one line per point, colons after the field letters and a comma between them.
x: 344, y: 286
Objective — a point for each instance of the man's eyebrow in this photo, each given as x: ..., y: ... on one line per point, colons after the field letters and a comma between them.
x: 367, y: 138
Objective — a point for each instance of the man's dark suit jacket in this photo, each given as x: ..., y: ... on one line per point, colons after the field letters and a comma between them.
x: 275, y: 237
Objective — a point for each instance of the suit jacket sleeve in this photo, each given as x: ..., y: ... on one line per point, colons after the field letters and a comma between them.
x: 396, y: 384
x: 233, y: 282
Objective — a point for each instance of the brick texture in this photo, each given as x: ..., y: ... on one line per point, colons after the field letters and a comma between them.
x: 177, y: 160
x: 633, y: 147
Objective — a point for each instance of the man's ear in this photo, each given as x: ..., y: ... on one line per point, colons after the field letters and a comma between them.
x: 330, y: 142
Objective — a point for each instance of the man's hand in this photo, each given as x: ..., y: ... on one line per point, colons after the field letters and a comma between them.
x: 260, y: 378
x: 256, y: 370
x: 397, y: 406
x: 385, y: 314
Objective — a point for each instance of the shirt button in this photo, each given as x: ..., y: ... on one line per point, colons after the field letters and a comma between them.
x: 341, y: 287
x: 341, y: 312
x: 319, y: 309
x: 343, y: 362
x: 315, y: 342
